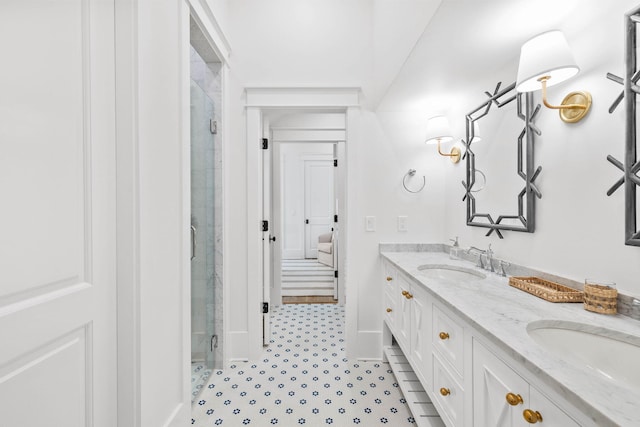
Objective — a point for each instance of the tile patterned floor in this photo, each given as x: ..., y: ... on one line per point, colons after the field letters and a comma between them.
x: 199, y: 376
x: 303, y: 378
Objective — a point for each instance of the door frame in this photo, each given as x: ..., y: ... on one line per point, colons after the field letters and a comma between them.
x: 278, y: 140
x: 132, y: 59
x: 259, y: 100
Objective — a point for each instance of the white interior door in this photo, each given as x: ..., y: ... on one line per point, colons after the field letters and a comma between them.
x: 267, y: 240
x: 57, y: 180
x: 318, y: 202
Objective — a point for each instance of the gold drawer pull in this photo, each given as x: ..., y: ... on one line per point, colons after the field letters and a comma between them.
x: 444, y: 336
x: 445, y: 391
x: 405, y: 293
x: 389, y: 310
x: 389, y: 278
x: 514, y: 399
x: 532, y: 417
x: 408, y: 296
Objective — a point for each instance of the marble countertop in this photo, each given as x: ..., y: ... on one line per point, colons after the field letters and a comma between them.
x: 501, y: 314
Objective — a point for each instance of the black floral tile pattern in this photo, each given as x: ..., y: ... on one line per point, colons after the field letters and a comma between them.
x: 303, y: 379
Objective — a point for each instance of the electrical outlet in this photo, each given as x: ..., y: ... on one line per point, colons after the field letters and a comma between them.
x: 370, y: 223
x: 402, y: 223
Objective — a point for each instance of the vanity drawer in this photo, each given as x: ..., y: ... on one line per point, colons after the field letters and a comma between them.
x: 448, y: 393
x: 448, y: 339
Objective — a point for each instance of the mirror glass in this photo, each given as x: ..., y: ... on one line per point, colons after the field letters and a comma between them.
x: 503, y: 157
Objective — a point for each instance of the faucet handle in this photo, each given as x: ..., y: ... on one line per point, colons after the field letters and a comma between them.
x: 502, y: 272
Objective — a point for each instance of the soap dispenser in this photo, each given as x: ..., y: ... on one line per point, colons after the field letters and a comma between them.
x: 455, y: 248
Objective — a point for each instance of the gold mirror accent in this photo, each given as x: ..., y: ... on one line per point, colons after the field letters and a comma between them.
x: 532, y: 417
x: 514, y: 399
x: 444, y: 336
x: 445, y: 391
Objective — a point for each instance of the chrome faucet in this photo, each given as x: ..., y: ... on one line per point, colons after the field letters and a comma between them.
x: 489, y: 255
x: 480, y: 253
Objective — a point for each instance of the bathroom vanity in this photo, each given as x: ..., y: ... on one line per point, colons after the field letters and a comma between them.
x: 487, y: 354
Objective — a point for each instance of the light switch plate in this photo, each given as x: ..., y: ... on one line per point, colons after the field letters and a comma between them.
x: 402, y: 223
x: 370, y: 223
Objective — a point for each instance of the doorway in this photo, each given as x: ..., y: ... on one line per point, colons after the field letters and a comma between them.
x: 304, y: 209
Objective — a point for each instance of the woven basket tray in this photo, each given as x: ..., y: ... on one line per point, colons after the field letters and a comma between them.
x: 546, y: 290
x: 600, y: 299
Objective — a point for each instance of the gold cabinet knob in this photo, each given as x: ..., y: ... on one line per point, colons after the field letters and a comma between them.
x: 408, y: 296
x: 532, y: 417
x: 405, y: 293
x: 389, y: 310
x: 389, y: 278
x: 514, y: 399
x: 444, y: 336
x: 445, y: 391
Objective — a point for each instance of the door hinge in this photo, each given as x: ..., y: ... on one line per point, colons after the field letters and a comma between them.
x: 335, y: 274
x: 265, y: 225
x: 265, y: 308
x: 213, y: 127
x: 335, y: 218
x: 335, y: 163
x: 265, y: 143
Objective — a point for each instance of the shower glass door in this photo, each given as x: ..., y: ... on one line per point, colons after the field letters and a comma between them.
x: 203, y: 338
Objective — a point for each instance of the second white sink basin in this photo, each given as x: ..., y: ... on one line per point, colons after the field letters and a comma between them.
x: 450, y: 272
x: 607, y: 353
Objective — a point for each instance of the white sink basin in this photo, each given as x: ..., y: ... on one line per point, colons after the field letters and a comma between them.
x: 613, y: 355
x: 450, y: 272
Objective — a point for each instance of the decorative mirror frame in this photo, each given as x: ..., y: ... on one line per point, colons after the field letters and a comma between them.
x: 527, y: 171
x: 631, y: 166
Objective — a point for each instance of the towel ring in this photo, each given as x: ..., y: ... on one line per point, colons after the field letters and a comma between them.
x: 412, y: 172
x: 484, y: 181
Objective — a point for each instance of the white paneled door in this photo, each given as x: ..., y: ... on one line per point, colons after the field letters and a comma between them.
x: 57, y: 222
x: 318, y: 202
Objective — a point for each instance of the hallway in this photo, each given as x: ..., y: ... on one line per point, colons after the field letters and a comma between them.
x: 303, y: 378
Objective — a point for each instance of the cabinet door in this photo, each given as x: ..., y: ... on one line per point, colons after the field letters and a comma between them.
x: 448, y: 339
x: 496, y: 388
x: 552, y: 416
x: 449, y: 395
x: 389, y: 309
x: 403, y: 315
x: 421, y: 334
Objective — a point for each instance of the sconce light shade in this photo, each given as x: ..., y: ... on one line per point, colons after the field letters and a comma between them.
x: 546, y: 60
x: 438, y: 130
x: 547, y: 54
x: 477, y: 137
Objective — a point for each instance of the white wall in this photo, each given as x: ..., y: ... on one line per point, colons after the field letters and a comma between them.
x: 579, y: 230
x: 290, y: 43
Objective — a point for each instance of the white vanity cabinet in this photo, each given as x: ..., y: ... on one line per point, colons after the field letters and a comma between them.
x: 448, y: 343
x: 408, y: 320
x: 390, y: 294
x: 468, y: 381
x: 502, y: 398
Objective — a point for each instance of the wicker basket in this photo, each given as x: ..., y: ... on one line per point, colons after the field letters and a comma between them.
x: 600, y: 299
x: 546, y: 290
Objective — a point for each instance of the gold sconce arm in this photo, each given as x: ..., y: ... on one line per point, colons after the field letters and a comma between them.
x: 574, y: 106
x: 454, y: 154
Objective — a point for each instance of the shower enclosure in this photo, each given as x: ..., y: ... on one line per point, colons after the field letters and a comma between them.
x: 206, y: 263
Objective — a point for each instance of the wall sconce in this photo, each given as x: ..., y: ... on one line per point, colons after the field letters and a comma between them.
x: 438, y: 131
x: 546, y: 60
